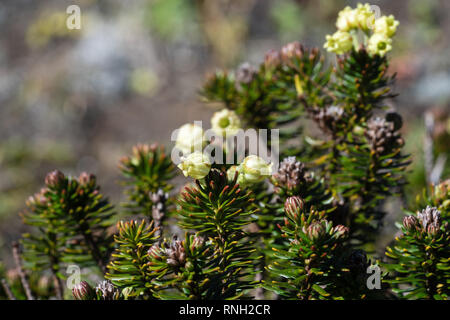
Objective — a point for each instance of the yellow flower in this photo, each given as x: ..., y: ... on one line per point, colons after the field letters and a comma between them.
x: 386, y: 25
x: 253, y: 170
x: 196, y: 165
x: 379, y: 44
x: 340, y: 42
x: 347, y: 19
x: 190, y: 138
x: 225, y: 122
x: 364, y: 16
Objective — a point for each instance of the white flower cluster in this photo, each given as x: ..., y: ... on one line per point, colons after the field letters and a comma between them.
x: 191, y: 141
x: 349, y: 21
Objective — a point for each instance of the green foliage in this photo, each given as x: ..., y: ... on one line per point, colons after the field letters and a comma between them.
x: 299, y: 237
x: 315, y: 263
x: 148, y: 170
x: 71, y: 218
x: 189, y: 267
x: 362, y: 84
x: 362, y: 163
x: 270, y: 97
x: 129, y: 269
x: 372, y: 170
x: 421, y: 257
x: 216, y: 208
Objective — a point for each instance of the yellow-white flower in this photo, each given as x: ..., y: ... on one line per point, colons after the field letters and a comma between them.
x: 386, y: 25
x: 190, y: 138
x: 253, y: 170
x: 196, y: 165
x: 231, y: 172
x: 347, y: 19
x: 379, y: 43
x: 365, y: 17
x: 225, y: 122
x: 340, y: 42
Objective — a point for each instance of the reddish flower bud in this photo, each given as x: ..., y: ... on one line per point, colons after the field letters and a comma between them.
x: 83, y: 291
x: 293, y: 207
x: 433, y: 229
x: 290, y: 50
x: 198, y: 242
x: 430, y: 216
x: 245, y: 73
x: 176, y: 255
x: 85, y: 178
x: 410, y: 222
x: 340, y: 231
x: 272, y: 59
x: 54, y: 178
x: 316, y: 230
x: 291, y: 175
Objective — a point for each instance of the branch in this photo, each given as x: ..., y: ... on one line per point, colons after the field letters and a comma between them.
x: 22, y: 275
x: 8, y: 290
x: 158, y: 211
x: 428, y: 145
x: 58, y: 286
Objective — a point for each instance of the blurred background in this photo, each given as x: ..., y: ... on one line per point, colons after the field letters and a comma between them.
x: 78, y: 100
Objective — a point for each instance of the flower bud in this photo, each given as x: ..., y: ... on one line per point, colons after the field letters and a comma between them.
x: 225, y: 122
x: 176, y: 255
x: 245, y: 73
x: 196, y: 165
x: 410, y: 223
x: 316, y: 230
x: 347, y: 19
x: 291, y: 174
x: 442, y: 194
x: 38, y: 198
x: 290, y: 50
x: 54, y: 178
x: 340, y: 231
x: 190, y: 138
x: 272, y: 59
x: 382, y: 135
x: 433, y: 229
x: 293, y: 207
x: 340, y: 42
x: 253, y: 170
x: 83, y: 291
x: 106, y: 290
x: 198, y: 242
x: 365, y: 17
x: 85, y: 178
x: 386, y: 25
x: 430, y: 216
x: 328, y: 118
x: 231, y: 172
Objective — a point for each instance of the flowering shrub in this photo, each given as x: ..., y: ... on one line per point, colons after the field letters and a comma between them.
x: 303, y: 229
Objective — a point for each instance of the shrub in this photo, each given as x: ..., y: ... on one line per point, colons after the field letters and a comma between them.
x: 303, y: 231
